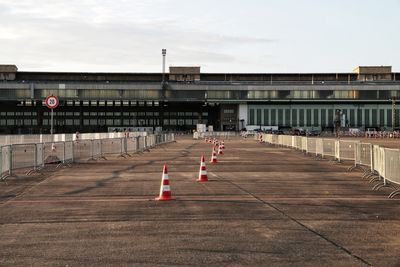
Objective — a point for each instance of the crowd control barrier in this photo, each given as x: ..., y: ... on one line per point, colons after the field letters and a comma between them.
x: 381, y: 165
x: 36, y: 156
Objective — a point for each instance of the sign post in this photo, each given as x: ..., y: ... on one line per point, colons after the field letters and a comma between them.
x: 51, y: 102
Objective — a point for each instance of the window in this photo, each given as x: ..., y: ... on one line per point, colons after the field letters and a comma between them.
x: 294, y: 117
x: 308, y: 119
x: 301, y: 117
x: 323, y: 117
x: 280, y: 117
x: 316, y: 117
x: 258, y: 116
x: 374, y: 117
x: 382, y: 117
x: 273, y: 117
x: 366, y: 117
x: 266, y: 116
x: 229, y: 111
x: 352, y: 118
x: 389, y: 117
x: 251, y: 119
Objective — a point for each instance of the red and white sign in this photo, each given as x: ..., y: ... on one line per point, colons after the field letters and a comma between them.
x: 51, y: 101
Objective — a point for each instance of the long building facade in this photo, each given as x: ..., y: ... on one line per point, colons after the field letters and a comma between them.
x: 184, y: 97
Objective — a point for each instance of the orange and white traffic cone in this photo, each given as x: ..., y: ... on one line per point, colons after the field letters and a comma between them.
x: 165, y: 189
x: 203, y: 171
x: 214, y: 157
x: 222, y: 145
x: 220, y: 152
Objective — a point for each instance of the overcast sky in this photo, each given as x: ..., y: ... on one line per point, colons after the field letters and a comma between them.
x: 218, y: 35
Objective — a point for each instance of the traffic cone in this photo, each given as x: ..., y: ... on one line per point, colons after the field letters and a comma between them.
x: 165, y: 190
x: 222, y: 144
x: 203, y: 171
x: 213, y: 157
x: 220, y: 152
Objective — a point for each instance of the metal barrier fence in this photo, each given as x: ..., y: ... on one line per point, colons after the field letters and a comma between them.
x: 380, y: 164
x: 224, y: 135
x: 35, y: 157
x: 47, y: 138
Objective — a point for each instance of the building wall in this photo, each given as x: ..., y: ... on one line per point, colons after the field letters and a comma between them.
x: 301, y: 115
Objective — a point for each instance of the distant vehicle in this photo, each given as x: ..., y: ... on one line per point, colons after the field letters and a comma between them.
x: 277, y: 132
x: 299, y: 132
x: 314, y: 133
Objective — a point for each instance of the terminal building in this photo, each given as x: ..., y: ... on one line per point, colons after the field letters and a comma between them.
x: 184, y: 97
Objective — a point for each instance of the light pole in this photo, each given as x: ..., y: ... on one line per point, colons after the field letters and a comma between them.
x: 164, y: 53
x: 393, y: 99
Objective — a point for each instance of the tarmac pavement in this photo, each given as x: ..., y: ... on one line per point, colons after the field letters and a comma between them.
x: 263, y: 206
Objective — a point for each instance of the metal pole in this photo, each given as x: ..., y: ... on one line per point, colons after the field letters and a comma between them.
x: 393, y: 113
x: 164, y: 52
x: 51, y: 125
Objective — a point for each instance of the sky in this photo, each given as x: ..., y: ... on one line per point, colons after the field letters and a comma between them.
x: 260, y: 36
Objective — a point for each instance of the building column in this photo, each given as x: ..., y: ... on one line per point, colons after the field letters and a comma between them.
x: 243, y: 115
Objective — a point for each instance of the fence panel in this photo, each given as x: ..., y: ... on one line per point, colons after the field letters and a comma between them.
x: 69, y: 151
x: 392, y: 166
x: 312, y: 145
x: 347, y: 150
x: 39, y: 157
x: 5, y: 160
x: 111, y: 146
x: 54, y: 152
x: 23, y: 156
x: 364, y: 154
x: 329, y: 147
x: 82, y: 150
x: 132, y: 145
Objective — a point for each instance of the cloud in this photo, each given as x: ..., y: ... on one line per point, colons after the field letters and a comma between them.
x: 105, y: 35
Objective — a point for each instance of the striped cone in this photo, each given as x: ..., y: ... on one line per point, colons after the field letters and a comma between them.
x: 165, y: 190
x: 203, y: 171
x: 214, y: 157
x: 222, y: 145
x: 220, y: 152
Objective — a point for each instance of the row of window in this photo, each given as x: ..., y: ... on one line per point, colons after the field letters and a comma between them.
x: 102, y: 122
x: 109, y: 114
x: 198, y: 94
x: 321, y: 117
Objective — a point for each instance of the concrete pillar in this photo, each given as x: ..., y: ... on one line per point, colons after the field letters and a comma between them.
x: 243, y: 114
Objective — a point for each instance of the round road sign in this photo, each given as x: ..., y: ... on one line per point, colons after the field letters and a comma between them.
x: 51, y: 101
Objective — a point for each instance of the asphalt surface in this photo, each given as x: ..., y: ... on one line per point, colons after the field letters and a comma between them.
x: 263, y: 206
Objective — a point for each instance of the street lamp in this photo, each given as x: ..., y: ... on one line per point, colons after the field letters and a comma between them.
x: 393, y: 99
